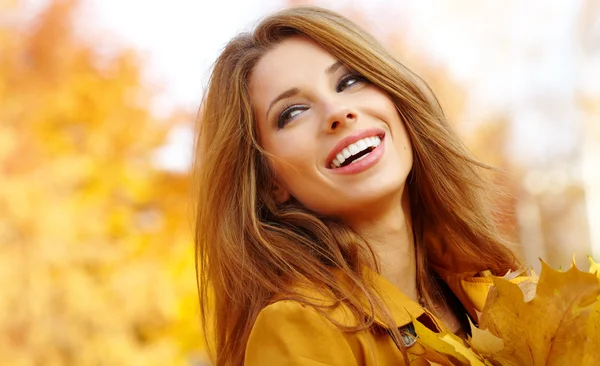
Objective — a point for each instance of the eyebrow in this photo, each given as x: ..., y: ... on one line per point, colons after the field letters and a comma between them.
x: 293, y: 91
x: 333, y: 68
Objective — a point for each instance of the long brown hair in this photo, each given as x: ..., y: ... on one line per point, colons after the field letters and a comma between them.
x: 249, y: 249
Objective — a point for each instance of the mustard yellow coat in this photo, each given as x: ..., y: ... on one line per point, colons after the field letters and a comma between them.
x: 289, y: 333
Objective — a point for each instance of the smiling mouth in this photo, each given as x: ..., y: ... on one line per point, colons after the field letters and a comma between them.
x: 355, y: 152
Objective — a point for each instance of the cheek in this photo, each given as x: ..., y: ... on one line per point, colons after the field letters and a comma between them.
x: 402, y: 144
x: 402, y: 139
x: 292, y: 158
x: 396, y: 125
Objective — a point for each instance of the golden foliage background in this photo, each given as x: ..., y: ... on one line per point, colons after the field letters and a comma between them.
x: 96, y: 259
x: 96, y: 254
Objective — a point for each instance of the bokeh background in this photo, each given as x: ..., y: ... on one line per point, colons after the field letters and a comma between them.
x: 97, y: 104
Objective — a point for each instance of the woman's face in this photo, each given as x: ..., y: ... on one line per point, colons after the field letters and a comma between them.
x: 337, y: 143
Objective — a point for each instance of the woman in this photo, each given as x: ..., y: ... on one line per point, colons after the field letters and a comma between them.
x: 336, y: 204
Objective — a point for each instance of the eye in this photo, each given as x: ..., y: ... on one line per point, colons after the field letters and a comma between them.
x: 288, y: 114
x: 349, y: 80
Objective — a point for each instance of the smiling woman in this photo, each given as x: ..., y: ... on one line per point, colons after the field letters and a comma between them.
x: 346, y: 206
x: 333, y: 110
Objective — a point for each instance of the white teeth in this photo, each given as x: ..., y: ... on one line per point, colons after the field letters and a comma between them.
x: 359, y: 159
x: 354, y: 149
x: 362, y: 144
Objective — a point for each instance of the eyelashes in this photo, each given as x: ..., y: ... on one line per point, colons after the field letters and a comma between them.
x: 348, y: 80
x: 287, y: 114
x: 290, y: 110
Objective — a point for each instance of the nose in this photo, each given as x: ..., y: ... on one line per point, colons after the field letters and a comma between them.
x: 337, y: 116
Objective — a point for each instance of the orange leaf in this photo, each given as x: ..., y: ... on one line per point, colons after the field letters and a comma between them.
x: 559, y: 326
x: 594, y: 267
x: 447, y: 345
x: 484, y: 342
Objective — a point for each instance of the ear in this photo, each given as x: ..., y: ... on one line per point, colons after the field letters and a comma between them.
x: 280, y: 194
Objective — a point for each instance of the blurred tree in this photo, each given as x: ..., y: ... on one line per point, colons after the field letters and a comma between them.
x: 96, y: 257
x: 588, y: 98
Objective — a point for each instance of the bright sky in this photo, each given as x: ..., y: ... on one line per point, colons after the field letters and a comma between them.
x: 182, y: 38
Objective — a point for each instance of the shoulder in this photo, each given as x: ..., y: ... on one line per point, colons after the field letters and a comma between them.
x: 291, y: 333
x: 290, y: 313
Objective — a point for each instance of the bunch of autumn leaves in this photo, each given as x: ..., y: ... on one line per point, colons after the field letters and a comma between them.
x: 553, y: 319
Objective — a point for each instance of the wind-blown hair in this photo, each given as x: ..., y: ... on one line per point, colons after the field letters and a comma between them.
x: 249, y: 249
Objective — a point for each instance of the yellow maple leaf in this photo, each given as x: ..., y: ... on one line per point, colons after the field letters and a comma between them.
x: 460, y: 348
x: 484, y: 342
x: 559, y: 326
x: 448, y: 345
x: 594, y: 267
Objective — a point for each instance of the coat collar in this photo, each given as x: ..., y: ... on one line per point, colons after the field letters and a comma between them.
x: 471, y: 288
x: 402, y: 308
x: 471, y: 291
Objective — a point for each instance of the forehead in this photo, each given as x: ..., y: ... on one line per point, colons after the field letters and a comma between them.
x: 295, y: 53
x: 291, y: 63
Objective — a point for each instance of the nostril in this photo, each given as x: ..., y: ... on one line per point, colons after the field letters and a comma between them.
x: 334, y: 125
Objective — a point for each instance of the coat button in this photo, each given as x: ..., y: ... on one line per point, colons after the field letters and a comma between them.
x: 408, y: 334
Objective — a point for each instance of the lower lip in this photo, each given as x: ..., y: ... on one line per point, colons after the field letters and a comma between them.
x: 366, y: 163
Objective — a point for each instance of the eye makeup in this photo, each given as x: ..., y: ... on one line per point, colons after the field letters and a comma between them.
x: 290, y: 110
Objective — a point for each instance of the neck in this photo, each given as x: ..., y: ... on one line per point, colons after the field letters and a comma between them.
x: 390, y: 235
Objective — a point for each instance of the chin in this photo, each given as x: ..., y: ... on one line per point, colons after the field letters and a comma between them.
x: 354, y: 203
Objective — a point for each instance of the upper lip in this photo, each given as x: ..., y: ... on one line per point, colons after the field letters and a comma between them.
x: 350, y: 139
